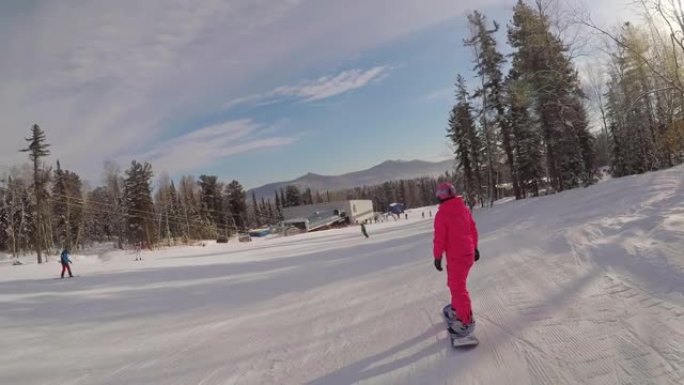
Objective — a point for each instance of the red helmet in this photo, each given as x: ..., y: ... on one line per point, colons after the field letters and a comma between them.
x: 445, y: 191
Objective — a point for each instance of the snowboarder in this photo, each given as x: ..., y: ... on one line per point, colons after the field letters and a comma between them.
x: 363, y: 230
x: 456, y: 236
x: 65, y: 261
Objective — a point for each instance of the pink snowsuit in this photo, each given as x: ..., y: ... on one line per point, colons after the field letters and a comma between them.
x: 456, y: 234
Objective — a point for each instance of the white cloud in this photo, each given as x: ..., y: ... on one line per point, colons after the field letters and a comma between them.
x: 108, y: 78
x: 210, y: 144
x: 318, y: 89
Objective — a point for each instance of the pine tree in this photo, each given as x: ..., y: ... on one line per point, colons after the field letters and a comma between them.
x: 257, y: 211
x: 293, y: 196
x: 463, y: 135
x: 28, y: 223
x: 67, y: 207
x: 279, y: 206
x: 271, y: 214
x: 488, y: 64
x: 194, y: 226
x: 263, y: 209
x: 115, y: 203
x: 98, y: 217
x: 139, y: 205
x: 38, y: 149
x: 527, y: 140
x: 236, y: 199
x: 174, y: 212
x: 307, y: 197
x: 387, y: 196
x: 165, y: 209
x: 557, y: 95
x: 212, y: 205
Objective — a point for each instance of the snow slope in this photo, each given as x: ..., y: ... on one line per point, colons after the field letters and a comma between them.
x: 584, y: 287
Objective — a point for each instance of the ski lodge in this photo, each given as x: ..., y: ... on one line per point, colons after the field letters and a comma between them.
x: 323, y: 215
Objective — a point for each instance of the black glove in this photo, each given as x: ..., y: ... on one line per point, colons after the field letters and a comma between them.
x: 438, y: 264
x: 477, y: 254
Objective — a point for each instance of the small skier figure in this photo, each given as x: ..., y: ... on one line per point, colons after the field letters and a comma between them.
x: 363, y: 230
x: 65, y: 261
x: 456, y: 236
x: 138, y: 252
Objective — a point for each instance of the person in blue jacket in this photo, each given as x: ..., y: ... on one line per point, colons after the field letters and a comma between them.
x: 64, y: 259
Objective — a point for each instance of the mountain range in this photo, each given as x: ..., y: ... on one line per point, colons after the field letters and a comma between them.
x: 386, y: 171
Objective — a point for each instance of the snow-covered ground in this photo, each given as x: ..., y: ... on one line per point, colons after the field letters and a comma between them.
x: 584, y: 287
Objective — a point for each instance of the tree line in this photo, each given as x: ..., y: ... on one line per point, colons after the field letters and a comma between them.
x: 640, y: 92
x: 529, y: 131
x: 528, y: 128
x: 44, y: 209
x: 416, y: 192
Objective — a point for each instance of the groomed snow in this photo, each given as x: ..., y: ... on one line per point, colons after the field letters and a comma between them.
x: 584, y: 287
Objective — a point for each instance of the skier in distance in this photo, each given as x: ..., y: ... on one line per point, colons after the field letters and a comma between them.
x: 65, y: 261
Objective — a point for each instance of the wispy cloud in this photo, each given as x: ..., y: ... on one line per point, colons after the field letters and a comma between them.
x: 439, y: 94
x: 317, y: 89
x: 108, y: 78
x: 211, y: 144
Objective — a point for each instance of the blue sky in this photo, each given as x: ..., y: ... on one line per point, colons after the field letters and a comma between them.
x: 253, y: 90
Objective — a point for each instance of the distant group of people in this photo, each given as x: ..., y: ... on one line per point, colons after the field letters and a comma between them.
x: 379, y: 219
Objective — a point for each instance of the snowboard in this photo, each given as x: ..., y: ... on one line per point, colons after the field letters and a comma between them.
x: 456, y: 341
x: 66, y: 277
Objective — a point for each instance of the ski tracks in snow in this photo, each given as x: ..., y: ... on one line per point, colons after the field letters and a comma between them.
x: 587, y: 300
x: 584, y: 287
